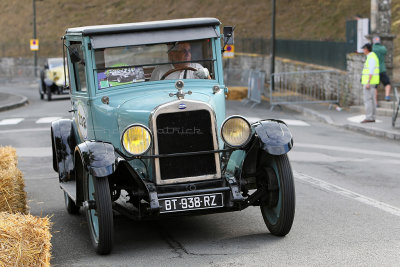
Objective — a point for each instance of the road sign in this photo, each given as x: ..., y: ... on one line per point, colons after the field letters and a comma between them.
x: 34, y: 44
x: 229, y: 51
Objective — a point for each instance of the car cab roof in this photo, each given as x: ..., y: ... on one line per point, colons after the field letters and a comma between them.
x: 144, y: 26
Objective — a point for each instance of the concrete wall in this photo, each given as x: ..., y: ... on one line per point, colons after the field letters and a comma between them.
x: 349, y: 82
x: 18, y: 68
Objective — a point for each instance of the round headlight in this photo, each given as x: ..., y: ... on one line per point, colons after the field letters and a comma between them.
x: 236, y: 131
x: 136, y: 139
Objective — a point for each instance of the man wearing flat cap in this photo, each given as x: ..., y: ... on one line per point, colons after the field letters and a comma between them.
x: 369, y: 80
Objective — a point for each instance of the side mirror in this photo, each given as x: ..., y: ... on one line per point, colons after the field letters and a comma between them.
x: 228, y: 35
x: 74, y: 55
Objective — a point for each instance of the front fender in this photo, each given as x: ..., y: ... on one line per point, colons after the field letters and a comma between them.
x: 274, y: 136
x: 98, y: 157
x: 63, y: 144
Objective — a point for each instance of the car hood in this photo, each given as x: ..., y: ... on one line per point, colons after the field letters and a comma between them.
x: 138, y: 109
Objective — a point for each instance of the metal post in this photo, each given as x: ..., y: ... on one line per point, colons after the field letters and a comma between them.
x: 374, y: 16
x: 273, y: 46
x: 34, y: 36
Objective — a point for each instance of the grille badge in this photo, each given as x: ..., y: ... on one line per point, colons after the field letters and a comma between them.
x: 182, y: 106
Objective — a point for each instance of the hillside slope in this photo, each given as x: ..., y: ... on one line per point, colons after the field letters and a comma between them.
x: 296, y: 19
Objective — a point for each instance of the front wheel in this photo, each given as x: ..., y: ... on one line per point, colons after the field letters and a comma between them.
x: 278, y: 207
x: 98, y: 207
x: 48, y: 92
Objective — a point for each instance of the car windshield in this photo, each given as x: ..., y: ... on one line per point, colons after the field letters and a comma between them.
x: 144, y: 63
x: 55, y: 63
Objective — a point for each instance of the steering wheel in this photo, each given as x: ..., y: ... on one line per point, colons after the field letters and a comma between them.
x: 175, y: 70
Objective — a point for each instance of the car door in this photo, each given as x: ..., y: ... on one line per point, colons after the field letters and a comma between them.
x: 80, y: 93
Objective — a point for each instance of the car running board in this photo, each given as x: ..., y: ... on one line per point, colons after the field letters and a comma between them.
x: 70, y: 188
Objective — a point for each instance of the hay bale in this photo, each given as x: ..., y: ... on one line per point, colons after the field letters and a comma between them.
x: 8, y: 157
x: 237, y: 93
x: 12, y: 193
x: 24, y: 240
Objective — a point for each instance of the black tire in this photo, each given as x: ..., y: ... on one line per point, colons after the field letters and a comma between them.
x: 279, y: 216
x: 42, y: 87
x: 48, y: 92
x: 41, y: 91
x: 395, y: 113
x: 72, y: 208
x: 100, y: 218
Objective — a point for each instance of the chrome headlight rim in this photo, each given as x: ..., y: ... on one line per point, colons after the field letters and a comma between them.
x: 222, y: 127
x: 140, y: 125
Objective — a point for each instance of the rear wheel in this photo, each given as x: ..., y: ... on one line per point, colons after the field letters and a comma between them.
x: 98, y: 208
x: 278, y: 207
x: 72, y: 208
x: 41, y: 91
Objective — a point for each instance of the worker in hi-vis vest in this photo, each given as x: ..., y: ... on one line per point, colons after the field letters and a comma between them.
x: 369, y: 80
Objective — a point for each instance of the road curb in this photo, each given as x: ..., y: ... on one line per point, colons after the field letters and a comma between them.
x: 23, y: 101
x: 356, y: 128
x: 375, y: 132
x: 311, y: 113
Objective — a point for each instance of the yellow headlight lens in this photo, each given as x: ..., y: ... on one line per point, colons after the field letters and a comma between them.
x: 236, y: 131
x: 136, y: 140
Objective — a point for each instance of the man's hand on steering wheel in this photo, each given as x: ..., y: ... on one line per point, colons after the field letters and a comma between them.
x: 175, y: 70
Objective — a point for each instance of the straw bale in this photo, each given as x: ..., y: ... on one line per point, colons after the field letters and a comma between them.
x: 24, y: 240
x: 8, y: 157
x: 237, y: 93
x: 12, y: 193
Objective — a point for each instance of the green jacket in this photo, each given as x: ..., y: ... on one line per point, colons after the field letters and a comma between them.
x: 380, y: 51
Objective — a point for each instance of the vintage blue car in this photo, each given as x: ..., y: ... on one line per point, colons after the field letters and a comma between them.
x: 161, y: 145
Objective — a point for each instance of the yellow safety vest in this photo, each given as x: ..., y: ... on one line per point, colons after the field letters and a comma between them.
x: 365, y: 72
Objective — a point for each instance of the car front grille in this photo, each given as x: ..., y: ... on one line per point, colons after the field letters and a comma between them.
x: 180, y: 132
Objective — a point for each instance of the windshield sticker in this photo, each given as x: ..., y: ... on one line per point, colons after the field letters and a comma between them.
x: 82, y: 120
x: 118, y: 76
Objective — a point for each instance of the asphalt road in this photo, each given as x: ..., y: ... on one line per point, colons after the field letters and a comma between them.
x: 347, y: 209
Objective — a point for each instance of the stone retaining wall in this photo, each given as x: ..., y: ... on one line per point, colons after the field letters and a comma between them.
x: 349, y: 82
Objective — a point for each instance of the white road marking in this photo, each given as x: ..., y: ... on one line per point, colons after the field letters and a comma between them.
x: 11, y: 121
x: 347, y: 149
x: 348, y: 193
x: 359, y: 119
x: 47, y: 119
x: 288, y: 122
x: 27, y: 130
x: 297, y: 156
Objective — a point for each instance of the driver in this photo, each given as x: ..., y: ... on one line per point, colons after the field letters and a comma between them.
x: 177, y: 53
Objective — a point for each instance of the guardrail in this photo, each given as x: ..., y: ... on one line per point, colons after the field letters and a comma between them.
x: 304, y: 87
x: 256, y: 87
x: 254, y: 80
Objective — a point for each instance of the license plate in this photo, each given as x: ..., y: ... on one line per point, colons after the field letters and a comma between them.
x: 196, y: 202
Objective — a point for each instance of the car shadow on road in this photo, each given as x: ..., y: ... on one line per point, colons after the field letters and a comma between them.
x: 58, y: 98
x: 194, y: 235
